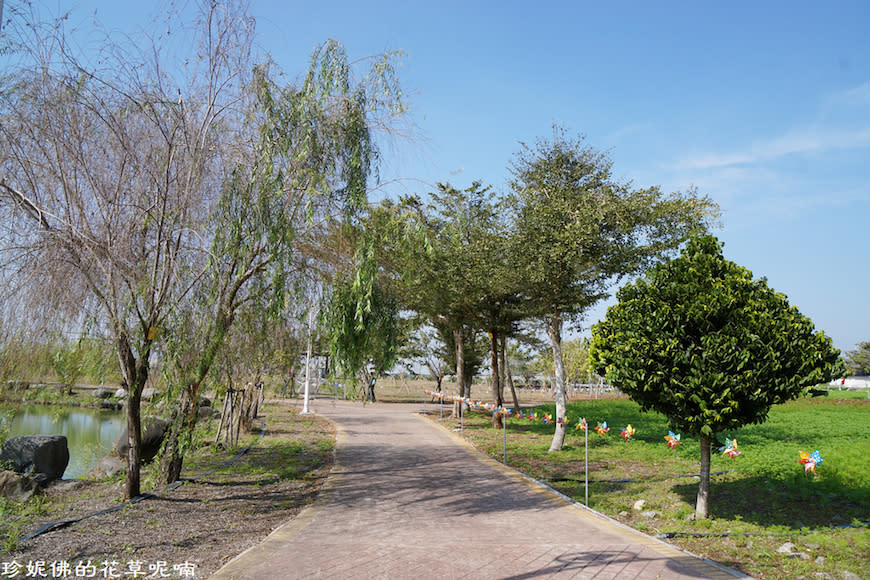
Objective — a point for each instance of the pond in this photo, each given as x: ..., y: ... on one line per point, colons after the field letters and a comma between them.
x: 90, y: 433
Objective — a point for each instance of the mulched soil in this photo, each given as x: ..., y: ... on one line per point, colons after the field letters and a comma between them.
x: 195, y: 529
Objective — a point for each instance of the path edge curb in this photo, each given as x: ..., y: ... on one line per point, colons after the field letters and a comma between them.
x: 237, y: 568
x: 719, y: 570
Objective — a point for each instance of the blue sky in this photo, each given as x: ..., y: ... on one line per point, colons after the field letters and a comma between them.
x: 764, y: 106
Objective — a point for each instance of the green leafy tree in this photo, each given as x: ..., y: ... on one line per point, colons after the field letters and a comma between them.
x: 578, y: 230
x: 700, y: 341
x: 361, y: 321
x: 576, y: 353
x: 307, y: 169
x: 164, y: 186
x: 68, y: 362
x: 448, y: 266
x: 858, y: 360
x: 425, y: 348
x: 521, y: 354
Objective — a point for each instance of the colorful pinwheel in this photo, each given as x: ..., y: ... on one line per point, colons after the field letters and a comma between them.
x: 673, y: 439
x: 627, y: 432
x: 602, y: 429
x: 730, y: 448
x: 581, y: 425
x: 810, y: 460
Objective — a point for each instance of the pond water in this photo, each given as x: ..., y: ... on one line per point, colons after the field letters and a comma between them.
x: 90, y: 433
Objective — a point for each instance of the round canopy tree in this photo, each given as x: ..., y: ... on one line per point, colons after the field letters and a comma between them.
x: 698, y: 340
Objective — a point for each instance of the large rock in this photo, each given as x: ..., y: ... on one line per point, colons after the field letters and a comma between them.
x: 147, y: 394
x: 106, y: 467
x: 14, y: 486
x: 152, y: 438
x: 44, y: 456
x: 103, y: 393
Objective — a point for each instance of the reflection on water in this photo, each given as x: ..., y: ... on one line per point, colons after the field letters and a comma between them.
x: 90, y: 433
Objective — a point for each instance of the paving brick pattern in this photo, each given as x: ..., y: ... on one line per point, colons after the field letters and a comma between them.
x: 407, y: 499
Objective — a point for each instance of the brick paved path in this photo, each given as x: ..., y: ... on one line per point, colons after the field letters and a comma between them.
x: 407, y: 499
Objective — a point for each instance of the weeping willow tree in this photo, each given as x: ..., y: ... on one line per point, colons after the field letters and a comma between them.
x: 163, y: 183
x: 307, y: 169
x: 361, y: 320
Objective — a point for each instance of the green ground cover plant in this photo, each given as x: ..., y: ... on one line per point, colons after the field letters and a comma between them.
x: 761, y: 499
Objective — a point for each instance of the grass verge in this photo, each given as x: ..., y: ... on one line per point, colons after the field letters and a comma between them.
x: 768, y: 518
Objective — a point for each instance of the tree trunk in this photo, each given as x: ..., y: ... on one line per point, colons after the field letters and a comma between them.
x: 501, y: 368
x: 134, y: 442
x: 135, y: 374
x: 554, y: 331
x: 496, y: 384
x: 508, y: 377
x: 173, y: 459
x: 702, y: 504
x: 460, y: 370
x: 185, y: 415
x: 308, y: 351
x: 258, y: 403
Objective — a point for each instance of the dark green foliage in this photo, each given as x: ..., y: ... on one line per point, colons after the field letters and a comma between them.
x: 446, y: 261
x: 701, y: 342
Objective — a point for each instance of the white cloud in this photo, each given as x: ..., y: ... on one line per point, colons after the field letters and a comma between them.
x: 855, y: 97
x: 843, y: 123
x: 803, y: 141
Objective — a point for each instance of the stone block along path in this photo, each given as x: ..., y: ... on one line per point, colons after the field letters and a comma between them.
x: 409, y: 499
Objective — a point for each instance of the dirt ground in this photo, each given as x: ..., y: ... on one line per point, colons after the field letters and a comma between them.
x: 193, y: 530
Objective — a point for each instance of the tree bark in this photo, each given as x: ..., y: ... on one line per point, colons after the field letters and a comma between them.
x: 508, y: 377
x: 135, y: 373
x: 460, y: 370
x: 496, y: 383
x: 702, y: 504
x: 554, y: 331
x: 134, y: 443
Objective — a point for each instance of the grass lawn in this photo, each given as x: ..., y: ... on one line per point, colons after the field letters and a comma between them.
x: 760, y: 500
